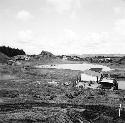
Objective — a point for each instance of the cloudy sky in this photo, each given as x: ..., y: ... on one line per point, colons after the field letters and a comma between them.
x: 63, y: 26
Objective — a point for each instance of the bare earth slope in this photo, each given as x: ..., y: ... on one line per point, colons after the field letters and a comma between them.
x: 3, y: 58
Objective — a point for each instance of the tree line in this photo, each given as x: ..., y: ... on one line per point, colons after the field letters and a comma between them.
x: 10, y: 52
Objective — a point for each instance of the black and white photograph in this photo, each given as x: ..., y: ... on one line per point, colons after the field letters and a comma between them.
x: 62, y: 61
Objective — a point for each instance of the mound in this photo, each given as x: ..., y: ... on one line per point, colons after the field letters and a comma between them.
x: 47, y: 54
x: 3, y: 58
x: 122, y: 60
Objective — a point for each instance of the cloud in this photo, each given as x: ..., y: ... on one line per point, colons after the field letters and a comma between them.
x: 24, y: 15
x: 104, y: 42
x: 70, y: 34
x: 64, y: 5
x: 61, y: 5
x: 117, y: 10
x: 87, y: 43
x: 119, y: 26
x: 1, y: 42
x: 25, y: 35
x: 95, y: 38
x: 107, y: 42
x: 26, y: 40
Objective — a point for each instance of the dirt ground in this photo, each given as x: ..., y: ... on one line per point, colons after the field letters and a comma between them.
x: 43, y: 95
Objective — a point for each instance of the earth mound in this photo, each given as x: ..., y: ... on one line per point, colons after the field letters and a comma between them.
x: 47, y: 54
x: 3, y: 58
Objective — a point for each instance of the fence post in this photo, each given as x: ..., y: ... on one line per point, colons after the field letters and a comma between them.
x: 120, y: 110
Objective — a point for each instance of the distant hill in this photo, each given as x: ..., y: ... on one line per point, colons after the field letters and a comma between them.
x: 44, y: 57
x: 3, y: 58
x: 93, y: 55
x: 47, y: 54
x: 122, y: 60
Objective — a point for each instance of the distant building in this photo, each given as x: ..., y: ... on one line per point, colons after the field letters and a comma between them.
x: 105, y: 60
x: 22, y: 57
x: 10, y: 62
x: 64, y: 57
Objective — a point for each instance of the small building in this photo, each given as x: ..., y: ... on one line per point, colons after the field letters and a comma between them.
x: 93, y: 72
x: 96, y: 70
x: 88, y: 78
x: 108, y: 84
x: 88, y: 81
x: 64, y: 57
x: 95, y: 80
x: 10, y: 62
x: 22, y: 57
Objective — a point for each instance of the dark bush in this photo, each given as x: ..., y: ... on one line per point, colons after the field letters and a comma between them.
x: 10, y: 52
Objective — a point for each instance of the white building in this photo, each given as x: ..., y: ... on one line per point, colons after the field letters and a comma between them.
x: 88, y: 81
x: 88, y: 78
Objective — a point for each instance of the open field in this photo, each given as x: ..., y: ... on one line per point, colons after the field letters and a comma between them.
x: 28, y: 95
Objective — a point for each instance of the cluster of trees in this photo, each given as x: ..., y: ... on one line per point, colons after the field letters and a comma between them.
x: 98, y: 59
x: 10, y: 52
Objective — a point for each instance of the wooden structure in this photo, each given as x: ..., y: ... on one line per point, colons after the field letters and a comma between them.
x: 88, y: 78
x: 108, y: 84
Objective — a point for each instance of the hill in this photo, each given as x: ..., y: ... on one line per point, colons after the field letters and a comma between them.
x: 122, y: 61
x: 105, y: 55
x: 47, y: 54
x: 3, y: 58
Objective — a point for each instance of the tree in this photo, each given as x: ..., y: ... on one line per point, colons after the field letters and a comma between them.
x: 10, y: 52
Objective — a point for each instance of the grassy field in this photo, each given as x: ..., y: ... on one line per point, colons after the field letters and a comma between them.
x: 27, y: 96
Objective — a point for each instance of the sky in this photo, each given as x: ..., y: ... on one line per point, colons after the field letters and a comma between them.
x: 63, y: 26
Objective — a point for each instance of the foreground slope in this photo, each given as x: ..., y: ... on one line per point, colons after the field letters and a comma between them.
x: 3, y: 58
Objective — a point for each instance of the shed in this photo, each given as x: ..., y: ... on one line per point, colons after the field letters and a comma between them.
x: 96, y: 69
x: 108, y: 84
x: 92, y: 72
x: 88, y: 78
x: 88, y: 81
